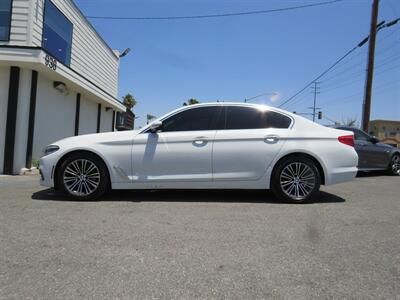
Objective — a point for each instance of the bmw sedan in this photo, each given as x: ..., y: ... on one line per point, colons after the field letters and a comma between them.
x: 206, y: 146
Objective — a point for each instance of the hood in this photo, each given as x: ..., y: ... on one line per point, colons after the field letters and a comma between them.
x: 98, y: 137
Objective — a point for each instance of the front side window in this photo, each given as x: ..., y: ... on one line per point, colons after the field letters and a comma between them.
x: 5, y: 19
x: 57, y: 33
x: 237, y: 117
x: 200, y: 118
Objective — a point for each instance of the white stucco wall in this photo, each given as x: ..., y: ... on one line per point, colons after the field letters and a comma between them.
x: 4, y: 81
x: 87, y: 116
x: 21, y: 129
x: 106, y: 120
x: 55, y: 115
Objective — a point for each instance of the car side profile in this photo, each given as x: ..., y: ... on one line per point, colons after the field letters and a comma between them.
x: 206, y: 146
x: 374, y: 155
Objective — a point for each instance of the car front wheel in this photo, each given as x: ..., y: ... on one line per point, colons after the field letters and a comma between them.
x: 83, y: 176
x: 296, y: 179
x: 394, y: 166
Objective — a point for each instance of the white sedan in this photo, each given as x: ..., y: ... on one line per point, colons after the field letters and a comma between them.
x: 206, y: 146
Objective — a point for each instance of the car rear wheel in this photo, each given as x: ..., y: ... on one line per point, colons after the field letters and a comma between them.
x: 394, y: 166
x: 296, y: 179
x: 83, y: 176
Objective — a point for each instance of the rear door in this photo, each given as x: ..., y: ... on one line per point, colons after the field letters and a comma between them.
x: 247, y: 142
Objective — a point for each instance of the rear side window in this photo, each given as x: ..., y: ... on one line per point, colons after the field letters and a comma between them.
x: 358, y: 134
x: 237, y: 117
x: 201, y: 118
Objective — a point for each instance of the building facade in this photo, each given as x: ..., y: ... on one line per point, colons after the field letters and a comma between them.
x: 58, y: 78
x: 386, y: 131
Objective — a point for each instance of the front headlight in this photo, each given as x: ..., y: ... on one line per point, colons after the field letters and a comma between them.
x: 50, y: 149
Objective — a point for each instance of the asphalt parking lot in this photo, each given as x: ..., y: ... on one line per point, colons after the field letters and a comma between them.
x: 200, y: 244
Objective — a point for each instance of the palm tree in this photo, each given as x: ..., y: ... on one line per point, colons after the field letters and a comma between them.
x: 191, y: 101
x: 150, y: 117
x: 129, y: 101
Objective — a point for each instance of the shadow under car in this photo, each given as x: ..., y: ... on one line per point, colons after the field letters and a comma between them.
x: 223, y: 196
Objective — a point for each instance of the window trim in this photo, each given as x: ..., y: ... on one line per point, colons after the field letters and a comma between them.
x: 72, y: 25
x: 222, y: 108
x: 225, y: 110
x: 146, y: 129
x: 9, y: 23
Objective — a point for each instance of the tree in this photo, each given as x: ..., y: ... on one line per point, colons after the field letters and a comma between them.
x: 350, y: 122
x: 150, y: 117
x: 129, y: 101
x: 191, y: 101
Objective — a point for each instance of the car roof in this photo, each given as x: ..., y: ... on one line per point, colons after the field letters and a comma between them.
x: 244, y: 104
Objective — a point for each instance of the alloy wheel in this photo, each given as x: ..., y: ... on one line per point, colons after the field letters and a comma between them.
x: 81, y: 177
x: 297, y: 180
x: 396, y: 164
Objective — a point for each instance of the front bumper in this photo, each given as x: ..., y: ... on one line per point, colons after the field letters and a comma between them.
x: 47, y: 169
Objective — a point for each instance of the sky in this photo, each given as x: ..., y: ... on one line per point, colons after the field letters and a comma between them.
x: 234, y: 58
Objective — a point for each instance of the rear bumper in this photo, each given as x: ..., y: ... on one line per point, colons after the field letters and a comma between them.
x: 339, y: 175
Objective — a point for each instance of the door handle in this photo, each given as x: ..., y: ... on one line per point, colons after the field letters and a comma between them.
x: 271, y: 139
x: 199, y: 141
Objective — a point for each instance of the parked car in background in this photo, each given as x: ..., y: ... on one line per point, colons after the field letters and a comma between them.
x: 206, y: 146
x: 374, y: 155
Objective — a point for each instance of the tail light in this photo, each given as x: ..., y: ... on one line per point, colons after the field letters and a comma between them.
x: 347, y: 140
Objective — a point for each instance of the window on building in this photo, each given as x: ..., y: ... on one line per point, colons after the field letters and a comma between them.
x: 57, y: 33
x: 5, y: 19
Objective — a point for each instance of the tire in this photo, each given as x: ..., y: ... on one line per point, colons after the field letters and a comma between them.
x: 394, y: 166
x: 83, y: 176
x: 295, y: 179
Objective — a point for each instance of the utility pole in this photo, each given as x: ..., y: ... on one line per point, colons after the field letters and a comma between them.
x: 315, y: 91
x: 370, y: 67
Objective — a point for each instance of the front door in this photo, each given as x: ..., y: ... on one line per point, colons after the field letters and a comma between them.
x: 180, y: 152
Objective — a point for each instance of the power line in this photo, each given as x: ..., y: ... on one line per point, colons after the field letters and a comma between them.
x: 361, y: 62
x: 254, y: 12
x: 359, y: 80
x: 334, y: 101
x: 342, y: 76
x: 319, y: 76
x: 305, y: 96
x: 360, y: 44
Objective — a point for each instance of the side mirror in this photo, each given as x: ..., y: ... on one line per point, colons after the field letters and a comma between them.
x: 155, y: 126
x: 374, y: 140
